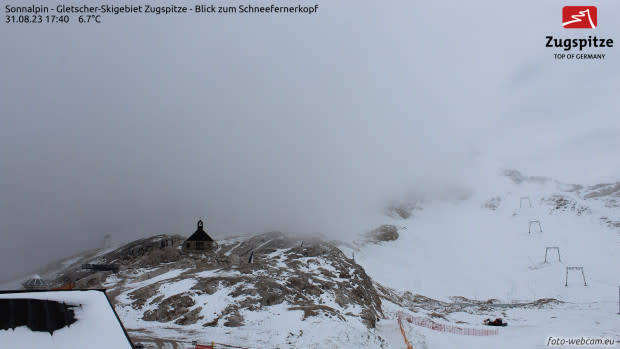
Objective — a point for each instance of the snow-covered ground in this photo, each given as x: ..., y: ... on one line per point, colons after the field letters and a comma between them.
x: 96, y: 325
x: 478, y: 247
x: 460, y: 248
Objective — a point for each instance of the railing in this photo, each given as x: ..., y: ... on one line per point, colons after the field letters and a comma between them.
x: 402, y: 331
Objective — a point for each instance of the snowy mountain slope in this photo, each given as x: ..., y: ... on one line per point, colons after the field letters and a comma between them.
x: 453, y: 260
x: 463, y: 248
x: 480, y: 248
x: 300, y: 291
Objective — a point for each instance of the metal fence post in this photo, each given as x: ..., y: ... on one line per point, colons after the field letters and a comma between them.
x: 584, y: 277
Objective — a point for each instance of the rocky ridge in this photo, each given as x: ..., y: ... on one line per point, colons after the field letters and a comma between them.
x: 165, y: 285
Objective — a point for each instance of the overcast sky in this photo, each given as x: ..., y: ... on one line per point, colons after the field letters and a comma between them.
x: 142, y: 124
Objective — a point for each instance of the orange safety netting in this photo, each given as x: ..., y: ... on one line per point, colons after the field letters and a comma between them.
x: 424, y: 322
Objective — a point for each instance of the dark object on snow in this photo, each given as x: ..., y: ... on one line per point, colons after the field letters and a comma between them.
x: 38, y: 314
x: 102, y: 267
x: 496, y: 322
x: 582, y: 274
x: 250, y: 260
x: 386, y: 232
x: 199, y: 241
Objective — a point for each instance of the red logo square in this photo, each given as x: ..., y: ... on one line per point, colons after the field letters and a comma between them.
x: 583, y: 17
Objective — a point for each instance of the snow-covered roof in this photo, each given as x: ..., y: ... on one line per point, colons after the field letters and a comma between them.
x: 82, y: 319
x: 35, y: 281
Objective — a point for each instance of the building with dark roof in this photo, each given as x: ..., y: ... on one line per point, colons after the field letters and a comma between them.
x: 199, y: 240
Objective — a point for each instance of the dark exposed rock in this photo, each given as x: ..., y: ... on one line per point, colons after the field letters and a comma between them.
x: 264, y: 244
x: 158, y: 256
x: 140, y: 248
x: 234, y: 320
x: 611, y: 223
x: 190, y: 317
x: 210, y: 285
x: 602, y: 190
x: 170, y: 308
x: 417, y: 303
x: 369, y: 318
x: 212, y: 323
x: 561, y: 203
x: 492, y: 203
x: 141, y: 295
x: 518, y: 178
x: 386, y: 232
x: 270, y: 292
x: 314, y: 310
x: 93, y: 280
x: 284, y: 270
x: 403, y: 210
